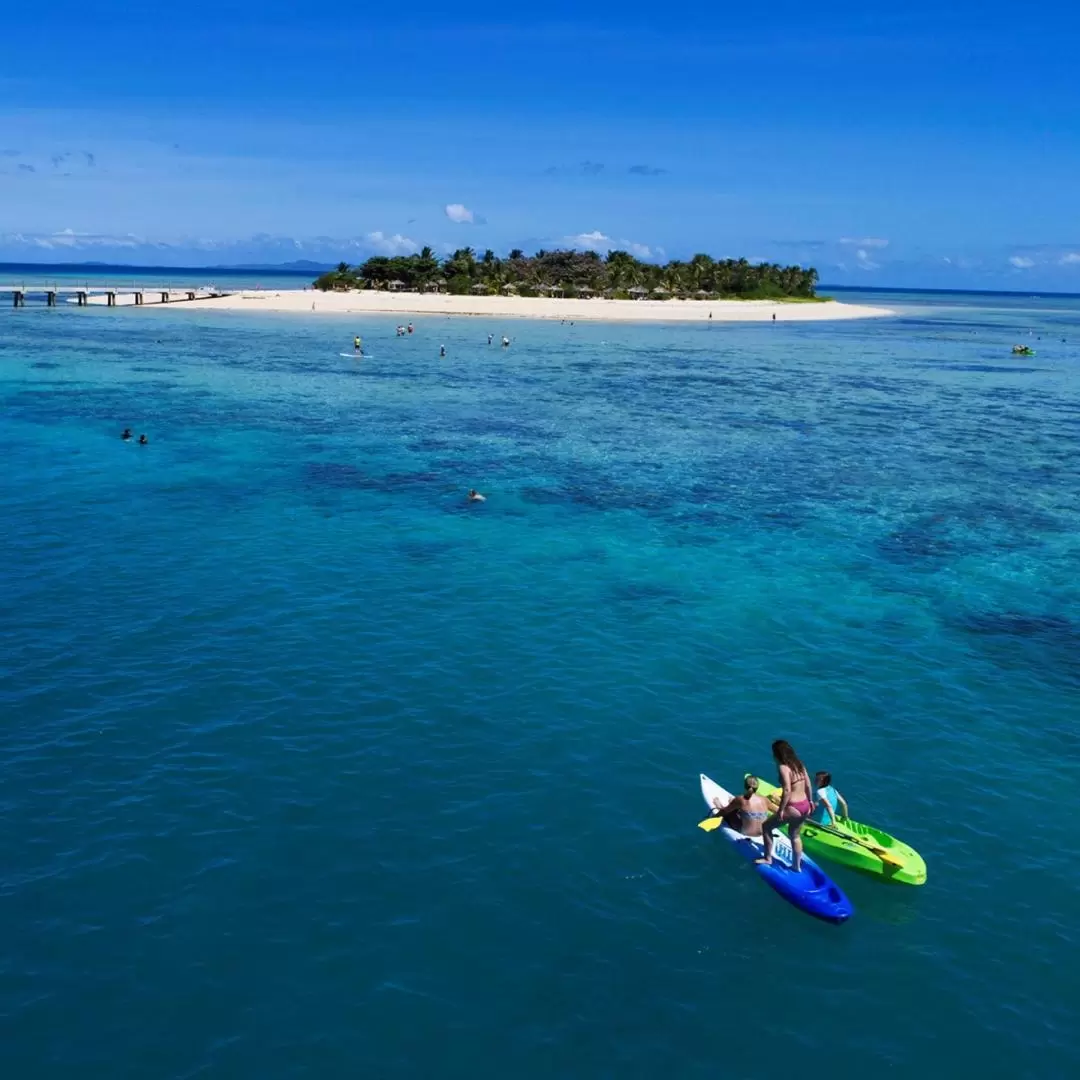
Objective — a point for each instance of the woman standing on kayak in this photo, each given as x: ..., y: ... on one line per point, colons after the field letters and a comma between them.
x: 795, y: 802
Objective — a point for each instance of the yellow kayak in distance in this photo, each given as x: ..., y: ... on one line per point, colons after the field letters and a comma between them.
x: 862, y: 847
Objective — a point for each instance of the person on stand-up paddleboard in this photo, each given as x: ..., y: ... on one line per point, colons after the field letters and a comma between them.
x: 795, y: 803
x: 747, y: 812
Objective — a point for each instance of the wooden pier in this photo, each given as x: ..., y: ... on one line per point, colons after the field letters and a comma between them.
x: 109, y: 295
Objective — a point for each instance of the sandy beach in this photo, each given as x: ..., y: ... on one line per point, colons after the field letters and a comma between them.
x: 307, y: 301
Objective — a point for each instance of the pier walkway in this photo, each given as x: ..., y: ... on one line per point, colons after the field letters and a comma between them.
x: 108, y: 295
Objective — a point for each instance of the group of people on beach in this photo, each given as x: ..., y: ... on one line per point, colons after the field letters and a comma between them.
x: 127, y: 437
x: 800, y: 802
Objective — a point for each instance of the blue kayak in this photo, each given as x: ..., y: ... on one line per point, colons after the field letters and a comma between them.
x: 811, y: 889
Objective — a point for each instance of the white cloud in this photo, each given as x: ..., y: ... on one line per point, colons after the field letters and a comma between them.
x: 594, y: 241
x: 69, y: 238
x: 1021, y: 262
x: 598, y: 241
x: 1070, y: 258
x: 864, y: 260
x: 864, y: 242
x: 392, y: 245
x: 462, y: 215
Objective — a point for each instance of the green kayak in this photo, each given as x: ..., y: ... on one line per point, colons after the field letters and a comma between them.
x: 862, y: 847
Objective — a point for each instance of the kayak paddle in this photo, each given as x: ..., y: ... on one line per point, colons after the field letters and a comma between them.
x: 862, y: 841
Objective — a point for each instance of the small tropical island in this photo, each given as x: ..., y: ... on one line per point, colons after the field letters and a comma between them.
x: 575, y: 274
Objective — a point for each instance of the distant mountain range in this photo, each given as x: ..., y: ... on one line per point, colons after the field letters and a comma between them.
x: 305, y: 266
x: 298, y: 266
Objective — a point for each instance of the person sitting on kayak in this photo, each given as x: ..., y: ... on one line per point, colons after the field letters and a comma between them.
x: 745, y: 813
x: 795, y: 803
x: 829, y: 801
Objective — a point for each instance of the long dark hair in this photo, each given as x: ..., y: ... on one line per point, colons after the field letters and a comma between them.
x: 784, y: 754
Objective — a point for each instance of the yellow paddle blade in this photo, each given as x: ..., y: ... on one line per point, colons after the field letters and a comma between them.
x: 887, y: 857
x: 710, y: 823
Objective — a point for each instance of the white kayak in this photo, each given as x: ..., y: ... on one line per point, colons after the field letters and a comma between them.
x: 810, y: 889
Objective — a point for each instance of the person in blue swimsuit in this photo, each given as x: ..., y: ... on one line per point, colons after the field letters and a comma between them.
x: 829, y: 801
x: 745, y: 813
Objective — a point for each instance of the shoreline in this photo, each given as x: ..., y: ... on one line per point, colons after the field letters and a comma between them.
x: 370, y: 302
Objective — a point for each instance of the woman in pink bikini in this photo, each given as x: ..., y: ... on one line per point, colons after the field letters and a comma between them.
x: 796, y: 802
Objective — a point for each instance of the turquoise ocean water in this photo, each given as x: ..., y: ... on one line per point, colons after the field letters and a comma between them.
x: 311, y: 769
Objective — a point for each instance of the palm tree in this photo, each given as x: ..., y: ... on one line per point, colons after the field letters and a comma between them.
x: 674, y: 274
x: 576, y: 269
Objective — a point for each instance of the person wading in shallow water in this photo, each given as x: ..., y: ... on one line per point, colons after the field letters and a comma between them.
x: 796, y: 802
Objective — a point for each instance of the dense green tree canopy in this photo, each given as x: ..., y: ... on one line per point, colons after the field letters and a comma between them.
x: 574, y: 273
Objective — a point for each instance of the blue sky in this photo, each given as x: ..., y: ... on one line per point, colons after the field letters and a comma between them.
x: 923, y: 144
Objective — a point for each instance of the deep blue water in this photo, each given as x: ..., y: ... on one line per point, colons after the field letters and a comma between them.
x: 310, y: 769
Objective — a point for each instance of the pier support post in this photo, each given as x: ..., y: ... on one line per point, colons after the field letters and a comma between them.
x: 164, y: 297
x: 50, y: 298
x: 191, y: 296
x: 81, y: 297
x: 20, y: 299
x: 138, y: 299
x: 110, y: 299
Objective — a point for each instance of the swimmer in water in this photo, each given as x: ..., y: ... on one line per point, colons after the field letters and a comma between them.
x: 126, y: 435
x: 475, y: 496
x: 506, y: 343
x: 408, y: 329
x: 143, y: 440
x: 442, y: 350
x: 491, y: 337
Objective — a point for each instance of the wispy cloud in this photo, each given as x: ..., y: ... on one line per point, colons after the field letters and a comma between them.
x: 91, y: 160
x: 1021, y: 262
x: 59, y: 159
x: 71, y: 244
x: 23, y: 167
x: 863, y: 260
x: 1070, y: 258
x: 69, y: 239
x: 592, y: 168
x: 645, y: 170
x: 10, y: 153
x: 864, y: 242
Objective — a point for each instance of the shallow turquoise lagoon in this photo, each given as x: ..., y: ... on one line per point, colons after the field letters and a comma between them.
x: 312, y: 769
